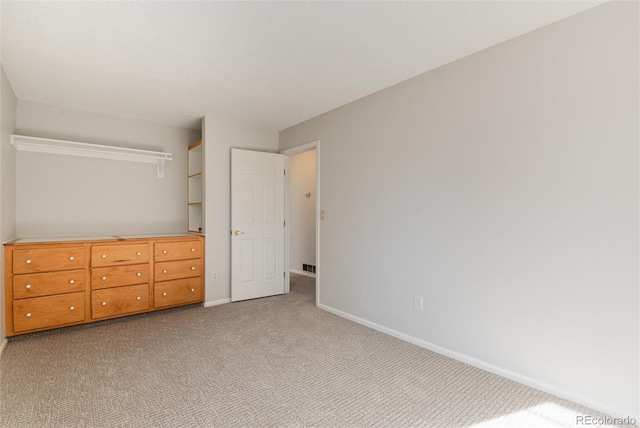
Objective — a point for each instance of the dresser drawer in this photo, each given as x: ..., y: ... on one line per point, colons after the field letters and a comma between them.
x: 179, y: 269
x: 117, y: 276
x: 119, y: 301
x: 49, y: 311
x: 44, y: 284
x: 49, y: 259
x: 165, y: 251
x: 177, y: 292
x: 114, y: 255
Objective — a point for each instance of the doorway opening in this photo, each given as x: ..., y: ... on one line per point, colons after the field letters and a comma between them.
x: 302, y: 196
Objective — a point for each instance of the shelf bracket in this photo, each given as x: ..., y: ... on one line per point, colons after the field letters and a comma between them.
x: 160, y: 167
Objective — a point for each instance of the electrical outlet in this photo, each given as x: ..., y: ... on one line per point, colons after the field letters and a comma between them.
x: 214, y: 276
x: 418, y: 303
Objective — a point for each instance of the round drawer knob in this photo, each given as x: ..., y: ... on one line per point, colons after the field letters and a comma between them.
x: 193, y: 289
x: 139, y: 274
x: 193, y: 268
x: 138, y: 298
x: 72, y: 308
x: 72, y: 258
x: 138, y: 253
x: 164, y: 252
x: 28, y: 286
x: 28, y: 261
x: 104, y: 256
x: 193, y: 250
x: 164, y: 271
x: 28, y: 314
x: 72, y: 282
x: 104, y: 303
x: 164, y: 294
x: 104, y: 278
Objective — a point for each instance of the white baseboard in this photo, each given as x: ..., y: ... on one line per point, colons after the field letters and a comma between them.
x: 217, y: 302
x: 3, y: 345
x: 605, y: 408
x: 303, y: 273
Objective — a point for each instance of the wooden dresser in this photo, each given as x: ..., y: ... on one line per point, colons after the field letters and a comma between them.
x: 50, y: 284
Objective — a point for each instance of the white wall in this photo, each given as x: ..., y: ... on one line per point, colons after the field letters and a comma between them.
x: 503, y: 188
x: 219, y: 138
x: 61, y: 195
x: 302, y: 219
x: 8, y: 105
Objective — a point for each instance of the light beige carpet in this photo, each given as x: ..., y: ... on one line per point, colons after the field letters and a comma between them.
x: 277, y: 361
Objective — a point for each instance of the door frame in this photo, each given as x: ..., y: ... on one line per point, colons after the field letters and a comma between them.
x: 287, y: 205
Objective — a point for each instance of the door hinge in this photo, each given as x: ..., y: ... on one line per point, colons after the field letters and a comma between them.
x: 285, y: 172
x: 284, y: 274
x: 284, y: 223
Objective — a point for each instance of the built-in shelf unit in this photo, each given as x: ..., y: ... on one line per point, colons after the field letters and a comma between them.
x: 195, y: 187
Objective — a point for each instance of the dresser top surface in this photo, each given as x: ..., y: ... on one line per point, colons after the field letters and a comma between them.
x: 107, y: 238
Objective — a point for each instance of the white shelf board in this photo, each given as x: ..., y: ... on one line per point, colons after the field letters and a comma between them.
x: 72, y: 148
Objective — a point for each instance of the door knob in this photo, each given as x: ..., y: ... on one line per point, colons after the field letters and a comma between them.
x: 238, y: 232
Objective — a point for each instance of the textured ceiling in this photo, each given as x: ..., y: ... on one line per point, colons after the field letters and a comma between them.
x: 270, y: 64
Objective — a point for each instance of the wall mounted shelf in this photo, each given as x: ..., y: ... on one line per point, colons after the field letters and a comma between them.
x: 72, y: 148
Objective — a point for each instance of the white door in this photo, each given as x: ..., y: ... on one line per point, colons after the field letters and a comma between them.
x: 257, y: 224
